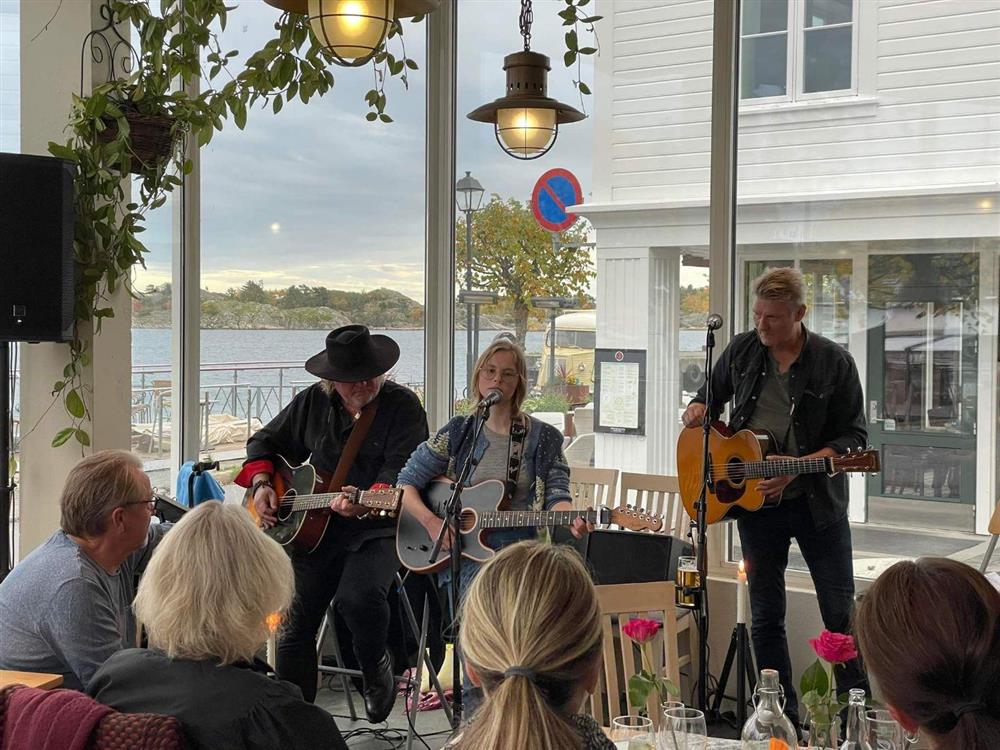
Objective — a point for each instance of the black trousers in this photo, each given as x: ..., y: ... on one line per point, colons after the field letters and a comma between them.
x: 766, y: 537
x: 359, y: 580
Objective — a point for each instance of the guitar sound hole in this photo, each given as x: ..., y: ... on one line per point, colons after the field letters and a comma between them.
x: 468, y: 520
x: 735, y: 471
x: 284, y: 511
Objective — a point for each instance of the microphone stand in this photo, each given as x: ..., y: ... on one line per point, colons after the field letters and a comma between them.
x: 701, y: 506
x: 453, y: 521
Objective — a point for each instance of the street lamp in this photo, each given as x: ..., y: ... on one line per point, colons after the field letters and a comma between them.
x: 553, y: 305
x: 469, y: 197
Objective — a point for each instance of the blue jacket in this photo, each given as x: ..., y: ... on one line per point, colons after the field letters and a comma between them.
x: 445, y: 453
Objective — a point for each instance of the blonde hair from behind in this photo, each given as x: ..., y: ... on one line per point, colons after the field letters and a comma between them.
x: 782, y: 284
x: 532, y: 606
x: 97, y: 485
x: 210, y: 585
x: 520, y: 362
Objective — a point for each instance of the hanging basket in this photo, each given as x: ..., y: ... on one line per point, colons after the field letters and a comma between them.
x: 150, y: 139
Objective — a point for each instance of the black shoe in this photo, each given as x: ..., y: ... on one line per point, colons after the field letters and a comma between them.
x: 380, y: 690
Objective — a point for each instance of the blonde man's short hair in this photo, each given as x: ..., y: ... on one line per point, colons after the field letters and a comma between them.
x: 96, y: 486
x: 782, y: 284
x: 211, y: 584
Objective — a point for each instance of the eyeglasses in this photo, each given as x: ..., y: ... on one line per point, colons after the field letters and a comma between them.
x: 151, y: 503
x: 507, y: 376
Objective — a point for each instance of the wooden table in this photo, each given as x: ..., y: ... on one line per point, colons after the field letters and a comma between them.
x: 714, y: 743
x: 31, y: 679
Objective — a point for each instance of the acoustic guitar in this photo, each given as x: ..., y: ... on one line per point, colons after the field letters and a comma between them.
x: 738, y: 465
x: 481, y: 511
x: 304, y: 510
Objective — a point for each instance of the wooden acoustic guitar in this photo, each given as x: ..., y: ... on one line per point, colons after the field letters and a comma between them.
x: 738, y: 465
x: 481, y: 511
x: 304, y: 510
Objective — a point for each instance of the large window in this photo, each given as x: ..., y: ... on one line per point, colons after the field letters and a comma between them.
x: 794, y: 48
x: 310, y: 219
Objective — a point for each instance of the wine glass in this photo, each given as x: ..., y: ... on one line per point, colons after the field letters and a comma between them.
x: 885, y: 733
x: 662, y: 723
x: 685, y: 730
x: 632, y: 733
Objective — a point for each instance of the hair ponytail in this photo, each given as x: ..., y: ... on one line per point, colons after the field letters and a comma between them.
x: 531, y: 631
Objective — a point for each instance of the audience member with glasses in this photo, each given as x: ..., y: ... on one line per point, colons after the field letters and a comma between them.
x: 531, y: 635
x: 929, y: 633
x: 204, y: 600
x: 513, y: 447
x: 66, y: 607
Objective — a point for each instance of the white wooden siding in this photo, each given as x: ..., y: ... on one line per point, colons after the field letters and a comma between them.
x: 932, y: 119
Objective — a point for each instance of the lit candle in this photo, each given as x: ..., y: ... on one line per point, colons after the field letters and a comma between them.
x: 741, y: 595
x: 273, y: 620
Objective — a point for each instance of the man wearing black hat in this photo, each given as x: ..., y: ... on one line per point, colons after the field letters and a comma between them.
x: 356, y: 559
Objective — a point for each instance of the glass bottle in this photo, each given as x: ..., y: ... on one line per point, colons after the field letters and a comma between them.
x: 855, y: 735
x: 768, y: 720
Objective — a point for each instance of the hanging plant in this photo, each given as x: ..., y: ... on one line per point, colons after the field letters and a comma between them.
x: 573, y: 16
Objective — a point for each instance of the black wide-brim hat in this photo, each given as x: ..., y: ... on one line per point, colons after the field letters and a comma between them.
x: 353, y: 354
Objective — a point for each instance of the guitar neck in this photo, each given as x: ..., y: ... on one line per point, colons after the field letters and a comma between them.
x: 785, y: 467
x: 319, y: 501
x: 503, y: 519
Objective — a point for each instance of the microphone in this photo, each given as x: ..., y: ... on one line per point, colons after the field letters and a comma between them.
x: 714, y: 322
x: 492, y: 397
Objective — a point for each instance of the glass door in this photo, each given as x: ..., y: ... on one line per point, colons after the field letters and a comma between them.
x: 922, y: 377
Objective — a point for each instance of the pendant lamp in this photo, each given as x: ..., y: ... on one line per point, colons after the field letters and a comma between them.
x: 354, y: 30
x: 526, y: 121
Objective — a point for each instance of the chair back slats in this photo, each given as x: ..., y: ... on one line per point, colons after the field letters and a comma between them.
x: 658, y: 495
x: 621, y: 659
x: 592, y: 487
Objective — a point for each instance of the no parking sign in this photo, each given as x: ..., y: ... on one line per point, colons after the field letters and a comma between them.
x: 555, y: 190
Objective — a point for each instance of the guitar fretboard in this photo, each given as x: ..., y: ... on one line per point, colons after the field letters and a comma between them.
x: 499, y: 519
x: 322, y: 500
x: 766, y: 469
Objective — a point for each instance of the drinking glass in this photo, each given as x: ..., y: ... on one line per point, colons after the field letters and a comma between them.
x: 685, y: 730
x: 662, y: 722
x: 632, y: 733
x: 885, y: 733
x: 687, y: 577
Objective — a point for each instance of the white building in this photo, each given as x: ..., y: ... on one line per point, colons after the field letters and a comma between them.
x: 869, y: 156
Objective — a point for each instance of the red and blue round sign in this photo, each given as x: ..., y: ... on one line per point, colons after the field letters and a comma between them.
x: 555, y: 190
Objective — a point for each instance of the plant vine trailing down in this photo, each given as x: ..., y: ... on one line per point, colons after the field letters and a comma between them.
x: 573, y: 16
x: 174, y: 50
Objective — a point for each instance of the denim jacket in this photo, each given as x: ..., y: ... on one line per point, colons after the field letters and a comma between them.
x: 445, y: 453
x: 826, y: 397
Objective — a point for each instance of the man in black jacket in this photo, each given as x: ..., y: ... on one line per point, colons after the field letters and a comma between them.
x: 805, y: 390
x: 356, y: 560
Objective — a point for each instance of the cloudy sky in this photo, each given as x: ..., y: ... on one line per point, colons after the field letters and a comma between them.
x: 316, y: 194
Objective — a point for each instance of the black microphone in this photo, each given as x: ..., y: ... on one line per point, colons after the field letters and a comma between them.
x: 714, y: 322
x: 492, y: 397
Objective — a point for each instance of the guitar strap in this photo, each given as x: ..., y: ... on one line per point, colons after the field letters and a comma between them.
x: 352, y: 446
x: 515, y: 447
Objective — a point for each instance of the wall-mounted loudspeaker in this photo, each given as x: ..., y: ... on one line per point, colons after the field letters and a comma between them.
x: 36, y: 237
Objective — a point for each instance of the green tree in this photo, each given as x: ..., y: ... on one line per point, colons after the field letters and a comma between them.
x: 513, y: 256
x: 253, y: 291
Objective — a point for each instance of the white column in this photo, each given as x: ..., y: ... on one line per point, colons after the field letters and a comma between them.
x: 50, y: 75
x: 638, y: 308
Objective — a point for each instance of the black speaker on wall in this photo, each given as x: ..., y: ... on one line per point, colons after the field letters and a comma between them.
x: 627, y: 556
x: 36, y: 237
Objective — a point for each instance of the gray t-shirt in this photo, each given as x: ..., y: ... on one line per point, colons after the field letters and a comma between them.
x: 493, y: 465
x: 774, y: 414
x: 62, y: 613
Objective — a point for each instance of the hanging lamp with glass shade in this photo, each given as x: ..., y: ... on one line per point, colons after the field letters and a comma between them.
x: 526, y: 121
x: 354, y: 30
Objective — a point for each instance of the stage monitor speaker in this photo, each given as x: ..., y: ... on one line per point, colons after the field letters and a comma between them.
x: 627, y: 556
x: 36, y: 234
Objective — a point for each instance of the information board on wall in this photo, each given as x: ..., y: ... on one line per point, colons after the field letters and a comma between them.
x: 620, y: 391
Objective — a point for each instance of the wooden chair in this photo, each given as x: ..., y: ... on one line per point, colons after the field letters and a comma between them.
x: 994, y: 529
x: 621, y: 658
x: 658, y: 495
x: 591, y: 487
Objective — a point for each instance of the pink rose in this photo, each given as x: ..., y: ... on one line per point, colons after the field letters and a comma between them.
x: 640, y: 630
x: 835, y: 648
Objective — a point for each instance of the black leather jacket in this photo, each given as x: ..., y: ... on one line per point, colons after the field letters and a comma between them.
x: 828, y: 406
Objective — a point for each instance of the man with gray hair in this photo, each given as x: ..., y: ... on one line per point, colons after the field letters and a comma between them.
x: 66, y: 607
x: 804, y: 389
